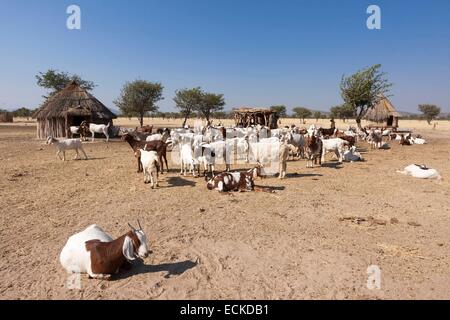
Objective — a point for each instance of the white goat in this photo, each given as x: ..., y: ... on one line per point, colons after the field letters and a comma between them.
x: 187, y: 159
x: 66, y: 144
x: 154, y: 137
x: 336, y: 145
x: 421, y: 172
x: 150, y: 164
x: 99, y: 128
x: 418, y: 141
x: 352, y: 155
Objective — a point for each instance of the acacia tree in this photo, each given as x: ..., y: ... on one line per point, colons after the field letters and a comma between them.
x: 364, y: 89
x: 138, y: 98
x: 187, y: 101
x: 342, y: 112
x: 210, y: 103
x: 430, y: 111
x: 280, y: 109
x: 317, y: 115
x: 302, y: 113
x: 54, y: 81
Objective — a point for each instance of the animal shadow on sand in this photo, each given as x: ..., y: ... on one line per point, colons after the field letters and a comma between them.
x: 333, y: 165
x: 179, y: 182
x: 171, y: 269
x: 303, y: 175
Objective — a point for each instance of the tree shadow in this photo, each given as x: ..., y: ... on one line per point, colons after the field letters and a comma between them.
x: 172, y: 269
x: 179, y: 182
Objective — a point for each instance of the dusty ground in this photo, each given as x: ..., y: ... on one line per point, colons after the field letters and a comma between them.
x: 290, y: 245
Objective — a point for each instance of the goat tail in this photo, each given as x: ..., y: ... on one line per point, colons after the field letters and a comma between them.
x: 108, y: 125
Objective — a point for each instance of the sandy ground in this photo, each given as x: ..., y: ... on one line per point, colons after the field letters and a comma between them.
x: 294, y: 244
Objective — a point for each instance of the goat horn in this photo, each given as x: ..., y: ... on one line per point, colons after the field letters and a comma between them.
x: 133, y: 228
x: 140, y: 228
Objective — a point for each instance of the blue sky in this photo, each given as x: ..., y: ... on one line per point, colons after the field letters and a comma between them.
x: 255, y: 52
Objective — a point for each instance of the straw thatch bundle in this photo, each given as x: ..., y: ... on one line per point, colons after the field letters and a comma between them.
x: 68, y: 107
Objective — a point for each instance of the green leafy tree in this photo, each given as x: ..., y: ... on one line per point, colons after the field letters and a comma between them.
x: 342, y: 112
x: 188, y: 101
x: 139, y: 98
x: 302, y: 113
x: 221, y: 115
x: 54, y: 81
x: 364, y: 89
x: 317, y: 115
x: 430, y: 111
x: 210, y: 103
x: 281, y: 110
x: 23, y: 112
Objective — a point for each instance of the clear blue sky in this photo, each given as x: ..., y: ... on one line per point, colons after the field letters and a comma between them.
x: 255, y: 52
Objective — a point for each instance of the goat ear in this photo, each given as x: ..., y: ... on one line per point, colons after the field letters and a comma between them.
x: 127, y: 249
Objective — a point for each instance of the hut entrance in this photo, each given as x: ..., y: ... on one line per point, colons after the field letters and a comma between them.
x: 77, y: 120
x: 390, y: 121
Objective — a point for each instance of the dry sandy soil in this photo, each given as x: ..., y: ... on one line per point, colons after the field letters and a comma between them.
x: 293, y: 244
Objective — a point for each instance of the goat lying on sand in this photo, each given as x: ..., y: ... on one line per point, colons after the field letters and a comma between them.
x: 234, y: 181
x: 94, y: 252
x: 421, y: 172
x: 67, y: 144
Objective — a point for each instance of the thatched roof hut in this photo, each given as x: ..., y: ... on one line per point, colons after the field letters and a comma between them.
x: 384, y: 112
x: 6, y: 116
x: 252, y: 116
x: 69, y: 107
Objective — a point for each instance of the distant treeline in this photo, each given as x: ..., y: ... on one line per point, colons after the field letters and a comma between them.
x: 300, y: 112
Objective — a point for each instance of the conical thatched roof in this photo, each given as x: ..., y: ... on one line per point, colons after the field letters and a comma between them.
x: 383, y: 110
x: 73, y: 101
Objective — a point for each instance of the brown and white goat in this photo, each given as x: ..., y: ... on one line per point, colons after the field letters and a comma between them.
x: 234, y: 181
x: 94, y: 252
x: 313, y: 150
x: 159, y: 146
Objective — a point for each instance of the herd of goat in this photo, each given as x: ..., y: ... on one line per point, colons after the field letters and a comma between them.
x: 94, y: 252
x: 207, y: 146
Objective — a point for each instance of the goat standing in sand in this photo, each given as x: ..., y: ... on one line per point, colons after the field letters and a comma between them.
x: 66, y: 144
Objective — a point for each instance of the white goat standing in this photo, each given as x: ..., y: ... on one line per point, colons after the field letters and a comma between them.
x: 150, y: 164
x: 67, y: 144
x: 336, y: 145
x: 187, y: 159
x: 99, y: 128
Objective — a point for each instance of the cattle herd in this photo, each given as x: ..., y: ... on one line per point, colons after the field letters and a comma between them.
x: 198, y: 151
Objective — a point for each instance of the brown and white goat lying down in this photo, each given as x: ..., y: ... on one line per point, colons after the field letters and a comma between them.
x: 94, y: 252
x: 234, y: 181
